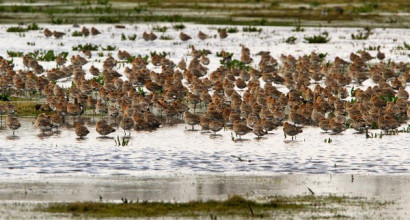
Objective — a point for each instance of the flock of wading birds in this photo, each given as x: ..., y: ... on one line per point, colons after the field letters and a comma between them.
x: 260, y: 109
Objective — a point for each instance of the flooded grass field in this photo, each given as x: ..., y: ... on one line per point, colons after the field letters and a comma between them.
x: 177, y: 120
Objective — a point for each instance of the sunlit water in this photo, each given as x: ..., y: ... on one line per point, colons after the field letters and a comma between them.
x: 174, y: 149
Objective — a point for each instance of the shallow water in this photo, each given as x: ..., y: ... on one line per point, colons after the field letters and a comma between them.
x: 174, y: 149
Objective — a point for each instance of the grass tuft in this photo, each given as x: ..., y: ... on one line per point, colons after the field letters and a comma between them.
x: 15, y: 53
x: 165, y: 37
x: 77, y: 34
x: 90, y: 47
x: 109, y: 48
x: 251, y: 29
x: 46, y: 55
x: 162, y: 29
x: 317, y: 39
x: 179, y: 27
x: 291, y: 40
x: 16, y: 29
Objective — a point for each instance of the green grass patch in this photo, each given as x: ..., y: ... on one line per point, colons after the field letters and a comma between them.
x: 251, y: 29
x: 373, y: 47
x: 109, y: 48
x: 17, y: 98
x: 366, y: 8
x: 109, y: 19
x: 123, y: 37
x: 90, y: 47
x: 165, y: 37
x: 18, y: 9
x: 405, y: 46
x: 16, y: 29
x: 132, y: 37
x: 99, y: 79
x: 103, y: 2
x: 232, y: 30
x: 139, y: 9
x: 219, y: 54
x: 4, y: 97
x: 161, y: 29
x: 291, y: 40
x: 77, y: 34
x: 57, y: 20
x: 229, y: 30
x: 314, y: 3
x: 362, y: 35
x: 19, y: 29
x: 15, y: 53
x: 317, y: 39
x: 24, y: 108
x: 235, y: 64
x: 161, y: 54
x: 298, y: 28
x: 389, y: 98
x: 179, y: 27
x: 46, y: 55
x: 33, y: 27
